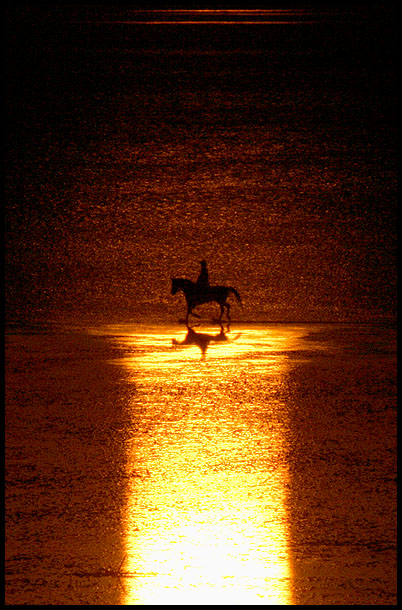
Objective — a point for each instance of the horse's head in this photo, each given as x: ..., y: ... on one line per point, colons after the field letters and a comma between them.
x: 179, y: 283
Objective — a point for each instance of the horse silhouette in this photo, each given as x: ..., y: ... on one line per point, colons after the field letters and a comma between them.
x: 198, y: 295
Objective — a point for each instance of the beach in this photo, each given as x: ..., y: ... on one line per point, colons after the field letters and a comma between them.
x: 250, y: 464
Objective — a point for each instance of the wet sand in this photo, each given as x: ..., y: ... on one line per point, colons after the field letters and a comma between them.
x: 254, y: 466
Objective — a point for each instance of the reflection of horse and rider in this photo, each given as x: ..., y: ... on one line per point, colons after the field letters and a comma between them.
x: 200, y: 292
x: 202, y: 340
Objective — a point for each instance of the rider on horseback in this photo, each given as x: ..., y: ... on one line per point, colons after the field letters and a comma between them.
x: 203, y: 278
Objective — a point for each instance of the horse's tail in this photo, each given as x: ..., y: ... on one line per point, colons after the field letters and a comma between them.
x: 238, y: 297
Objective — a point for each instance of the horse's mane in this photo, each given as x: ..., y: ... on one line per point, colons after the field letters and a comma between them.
x: 182, y: 280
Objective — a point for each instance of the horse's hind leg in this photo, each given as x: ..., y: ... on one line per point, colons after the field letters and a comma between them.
x: 227, y: 305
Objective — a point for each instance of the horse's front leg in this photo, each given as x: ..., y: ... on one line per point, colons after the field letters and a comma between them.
x: 222, y: 310
x: 227, y: 305
x: 190, y: 311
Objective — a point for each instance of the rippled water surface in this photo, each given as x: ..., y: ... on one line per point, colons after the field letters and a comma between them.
x: 253, y: 464
x: 151, y: 463
x: 264, y: 142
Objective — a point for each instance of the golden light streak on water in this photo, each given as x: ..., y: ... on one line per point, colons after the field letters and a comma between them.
x: 205, y: 519
x: 216, y: 17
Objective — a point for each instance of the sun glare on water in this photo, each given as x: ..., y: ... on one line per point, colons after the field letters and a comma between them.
x: 205, y: 520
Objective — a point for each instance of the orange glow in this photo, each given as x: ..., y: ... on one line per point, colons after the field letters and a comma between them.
x: 217, y: 17
x: 205, y: 519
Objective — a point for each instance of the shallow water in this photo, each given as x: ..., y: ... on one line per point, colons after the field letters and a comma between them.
x: 145, y: 464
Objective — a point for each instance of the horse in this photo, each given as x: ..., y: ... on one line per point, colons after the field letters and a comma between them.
x: 197, y: 295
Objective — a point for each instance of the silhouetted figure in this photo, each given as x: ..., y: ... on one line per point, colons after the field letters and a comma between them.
x: 194, y: 296
x: 203, y: 278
